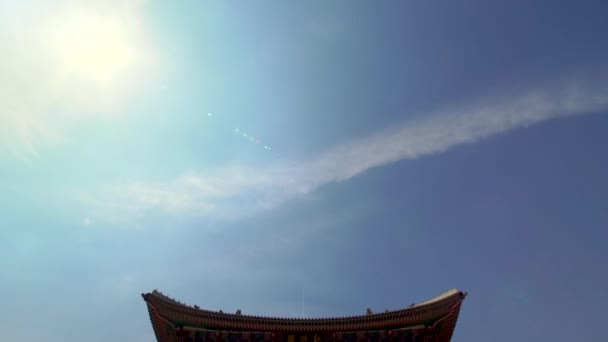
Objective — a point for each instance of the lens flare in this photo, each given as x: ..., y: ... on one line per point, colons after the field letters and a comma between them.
x: 249, y: 137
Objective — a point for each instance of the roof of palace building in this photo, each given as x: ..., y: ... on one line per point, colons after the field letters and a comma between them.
x: 436, y: 317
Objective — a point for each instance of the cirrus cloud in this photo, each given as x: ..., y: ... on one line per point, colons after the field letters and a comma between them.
x: 236, y: 190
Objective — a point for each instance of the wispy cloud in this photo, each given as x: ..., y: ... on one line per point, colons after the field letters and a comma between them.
x: 440, y: 131
x: 237, y: 190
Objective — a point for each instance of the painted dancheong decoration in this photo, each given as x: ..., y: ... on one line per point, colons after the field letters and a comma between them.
x: 430, y: 321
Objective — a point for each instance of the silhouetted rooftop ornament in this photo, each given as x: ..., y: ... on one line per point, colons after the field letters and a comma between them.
x: 369, y: 311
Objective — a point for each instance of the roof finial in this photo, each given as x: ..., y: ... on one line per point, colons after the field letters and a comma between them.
x: 368, y: 311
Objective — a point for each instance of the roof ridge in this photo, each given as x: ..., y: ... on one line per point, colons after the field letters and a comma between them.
x: 433, y: 300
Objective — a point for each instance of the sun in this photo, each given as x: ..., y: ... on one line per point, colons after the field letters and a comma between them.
x: 91, y: 46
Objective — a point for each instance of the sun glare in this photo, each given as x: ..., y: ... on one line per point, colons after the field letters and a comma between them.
x: 93, y: 47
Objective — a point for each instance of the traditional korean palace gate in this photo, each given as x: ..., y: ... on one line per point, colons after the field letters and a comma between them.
x: 433, y: 320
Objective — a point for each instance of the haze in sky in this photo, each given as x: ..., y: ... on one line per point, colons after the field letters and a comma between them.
x: 303, y: 159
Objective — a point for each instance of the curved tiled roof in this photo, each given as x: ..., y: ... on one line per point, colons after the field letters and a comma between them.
x: 439, y: 314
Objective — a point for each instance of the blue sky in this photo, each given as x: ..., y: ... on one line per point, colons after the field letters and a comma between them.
x: 414, y: 147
